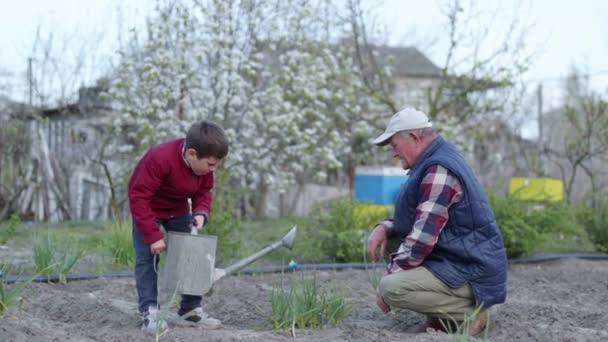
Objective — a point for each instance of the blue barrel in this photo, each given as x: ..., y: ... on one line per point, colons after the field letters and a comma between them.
x: 378, y: 184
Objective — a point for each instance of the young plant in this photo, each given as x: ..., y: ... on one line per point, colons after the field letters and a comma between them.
x: 334, y: 307
x: 165, y: 314
x: 51, y: 258
x: 374, y: 274
x: 461, y: 331
x: 68, y: 260
x: 162, y: 319
x: 43, y: 255
x: 10, y: 294
x: 304, y: 304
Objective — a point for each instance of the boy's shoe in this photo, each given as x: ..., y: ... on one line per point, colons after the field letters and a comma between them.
x: 197, y: 317
x: 153, y: 324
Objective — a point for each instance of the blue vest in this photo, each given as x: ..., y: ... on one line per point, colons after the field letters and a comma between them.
x: 470, y: 248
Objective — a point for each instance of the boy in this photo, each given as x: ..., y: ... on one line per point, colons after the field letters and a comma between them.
x: 164, y: 179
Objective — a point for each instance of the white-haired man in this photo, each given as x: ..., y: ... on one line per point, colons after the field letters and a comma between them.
x: 451, y: 263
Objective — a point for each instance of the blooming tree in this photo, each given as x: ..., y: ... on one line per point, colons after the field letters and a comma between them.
x: 289, y: 101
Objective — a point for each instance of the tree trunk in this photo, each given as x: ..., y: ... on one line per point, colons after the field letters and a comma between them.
x: 261, y: 204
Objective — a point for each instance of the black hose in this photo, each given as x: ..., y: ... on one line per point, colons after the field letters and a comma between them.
x: 550, y: 257
x: 54, y: 278
x: 302, y: 267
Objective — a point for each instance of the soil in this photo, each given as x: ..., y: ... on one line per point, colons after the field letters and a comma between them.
x: 564, y: 300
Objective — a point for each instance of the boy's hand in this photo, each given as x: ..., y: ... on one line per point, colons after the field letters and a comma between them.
x: 158, y: 247
x: 199, y: 222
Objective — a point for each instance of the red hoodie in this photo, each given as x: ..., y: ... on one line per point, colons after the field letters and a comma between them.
x: 160, y: 187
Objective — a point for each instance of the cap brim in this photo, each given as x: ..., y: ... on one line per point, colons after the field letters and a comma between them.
x: 382, y: 139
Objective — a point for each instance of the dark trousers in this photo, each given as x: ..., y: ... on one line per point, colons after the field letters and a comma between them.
x: 146, y: 278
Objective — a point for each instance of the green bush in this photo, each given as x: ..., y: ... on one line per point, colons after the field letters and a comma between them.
x: 529, y: 227
x: 593, y: 215
x: 519, y: 234
x: 557, y: 218
x: 342, y: 227
x: 8, y: 229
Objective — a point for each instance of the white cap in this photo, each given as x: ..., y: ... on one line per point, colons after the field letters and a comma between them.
x: 404, y: 120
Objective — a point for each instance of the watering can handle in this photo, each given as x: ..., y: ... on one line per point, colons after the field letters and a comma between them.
x: 193, y: 229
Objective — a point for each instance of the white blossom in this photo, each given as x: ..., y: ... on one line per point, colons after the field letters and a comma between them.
x: 292, y: 106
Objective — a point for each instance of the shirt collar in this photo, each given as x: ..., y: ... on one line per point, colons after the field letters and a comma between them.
x: 433, y: 146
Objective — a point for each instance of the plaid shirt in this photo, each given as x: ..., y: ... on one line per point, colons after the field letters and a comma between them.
x: 439, y: 189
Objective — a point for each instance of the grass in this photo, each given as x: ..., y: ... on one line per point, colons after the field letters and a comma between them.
x: 109, y: 245
x: 8, y: 229
x: 305, y: 304
x: 559, y: 243
x: 112, y: 243
x: 120, y: 244
x: 90, y: 234
x: 258, y: 234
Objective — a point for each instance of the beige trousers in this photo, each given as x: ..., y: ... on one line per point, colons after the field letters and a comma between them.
x: 420, y: 291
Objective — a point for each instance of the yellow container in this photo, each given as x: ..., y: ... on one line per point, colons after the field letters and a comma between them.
x: 536, y: 189
x: 364, y: 211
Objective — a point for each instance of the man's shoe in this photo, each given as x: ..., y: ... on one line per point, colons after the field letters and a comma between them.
x: 429, y: 324
x: 197, y: 317
x: 153, y: 324
x: 448, y: 326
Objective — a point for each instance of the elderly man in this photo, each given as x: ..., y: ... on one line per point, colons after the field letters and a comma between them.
x: 451, y: 264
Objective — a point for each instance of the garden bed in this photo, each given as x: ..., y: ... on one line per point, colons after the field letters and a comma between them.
x: 563, y: 300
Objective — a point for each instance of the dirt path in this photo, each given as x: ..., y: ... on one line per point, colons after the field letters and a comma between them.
x: 564, y: 300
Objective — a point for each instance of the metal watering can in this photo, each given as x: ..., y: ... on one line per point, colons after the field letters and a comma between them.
x: 190, y: 261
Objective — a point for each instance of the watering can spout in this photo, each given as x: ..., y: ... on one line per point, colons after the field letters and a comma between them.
x: 290, y: 238
x: 287, y: 241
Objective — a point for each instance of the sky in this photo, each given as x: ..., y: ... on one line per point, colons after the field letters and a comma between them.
x: 562, y: 33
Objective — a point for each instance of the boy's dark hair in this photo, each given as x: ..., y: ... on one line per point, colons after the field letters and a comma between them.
x: 207, y: 139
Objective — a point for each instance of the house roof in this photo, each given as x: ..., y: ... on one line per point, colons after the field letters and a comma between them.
x: 4, y: 103
x: 89, y: 103
x: 12, y: 109
x: 408, y: 61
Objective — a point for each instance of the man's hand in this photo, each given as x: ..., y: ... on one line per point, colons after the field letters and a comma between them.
x: 377, y: 239
x: 382, y: 304
x: 158, y: 247
x: 199, y: 222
